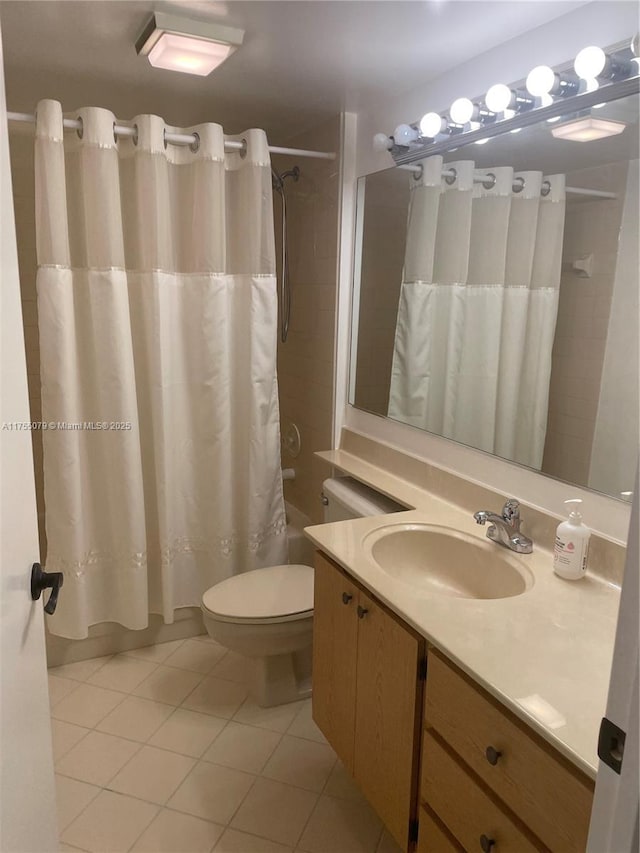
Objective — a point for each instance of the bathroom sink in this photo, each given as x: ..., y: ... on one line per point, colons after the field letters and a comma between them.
x: 445, y: 561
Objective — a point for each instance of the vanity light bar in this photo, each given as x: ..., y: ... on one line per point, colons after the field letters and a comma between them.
x: 502, y: 105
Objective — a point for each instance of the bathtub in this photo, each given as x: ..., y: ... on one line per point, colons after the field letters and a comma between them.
x: 109, y: 638
x: 300, y: 548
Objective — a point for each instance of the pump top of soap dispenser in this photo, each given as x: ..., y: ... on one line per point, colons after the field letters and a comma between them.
x: 575, y: 516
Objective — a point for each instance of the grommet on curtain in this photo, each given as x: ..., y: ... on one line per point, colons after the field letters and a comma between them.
x: 546, y: 188
x: 115, y: 135
x: 451, y: 179
x: 518, y: 184
x: 418, y: 173
x: 195, y: 145
x: 243, y: 150
x: 80, y: 130
x: 164, y: 138
x: 489, y: 181
x: 135, y: 134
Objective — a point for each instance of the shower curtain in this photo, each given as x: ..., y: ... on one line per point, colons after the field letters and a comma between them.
x: 478, y: 306
x: 157, y: 318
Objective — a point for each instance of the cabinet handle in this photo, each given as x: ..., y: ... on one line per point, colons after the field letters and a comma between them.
x: 346, y: 597
x: 492, y: 754
x: 486, y: 843
x: 362, y: 612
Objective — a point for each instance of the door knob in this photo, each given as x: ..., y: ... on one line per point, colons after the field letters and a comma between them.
x: 362, y: 612
x: 40, y: 581
x: 486, y: 843
x: 492, y: 755
x: 346, y: 597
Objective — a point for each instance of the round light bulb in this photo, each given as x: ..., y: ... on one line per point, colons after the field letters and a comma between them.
x: 540, y: 81
x: 381, y: 142
x: 590, y: 62
x: 461, y: 110
x: 404, y: 134
x: 498, y: 98
x: 431, y: 125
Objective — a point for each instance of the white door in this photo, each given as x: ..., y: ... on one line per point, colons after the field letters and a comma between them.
x: 614, y: 820
x: 27, y: 794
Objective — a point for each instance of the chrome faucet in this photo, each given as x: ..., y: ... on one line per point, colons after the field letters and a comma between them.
x: 505, y: 528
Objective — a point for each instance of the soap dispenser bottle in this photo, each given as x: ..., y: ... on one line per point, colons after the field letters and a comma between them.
x: 572, y: 545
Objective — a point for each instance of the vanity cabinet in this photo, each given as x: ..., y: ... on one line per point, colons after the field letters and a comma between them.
x: 368, y: 694
x: 493, y: 782
x: 447, y: 761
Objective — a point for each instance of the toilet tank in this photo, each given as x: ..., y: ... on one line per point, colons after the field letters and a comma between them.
x: 344, y: 498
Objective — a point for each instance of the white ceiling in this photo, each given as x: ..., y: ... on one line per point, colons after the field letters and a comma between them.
x: 301, y: 60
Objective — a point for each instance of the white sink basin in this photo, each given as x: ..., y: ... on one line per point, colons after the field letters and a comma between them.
x: 445, y: 561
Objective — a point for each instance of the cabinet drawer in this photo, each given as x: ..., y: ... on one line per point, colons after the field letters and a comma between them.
x: 541, y: 787
x: 433, y: 838
x: 463, y: 806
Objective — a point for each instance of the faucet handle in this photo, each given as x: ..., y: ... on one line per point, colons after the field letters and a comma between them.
x: 511, y: 511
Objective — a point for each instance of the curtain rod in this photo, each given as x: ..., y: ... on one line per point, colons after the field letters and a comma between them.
x: 517, y: 187
x: 179, y: 138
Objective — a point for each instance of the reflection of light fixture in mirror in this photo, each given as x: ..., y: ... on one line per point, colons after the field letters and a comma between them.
x: 462, y: 111
x: 404, y: 134
x: 182, y: 44
x: 587, y: 128
x: 431, y: 124
x: 381, y: 142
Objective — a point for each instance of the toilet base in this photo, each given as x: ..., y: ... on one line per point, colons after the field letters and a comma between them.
x: 280, y: 679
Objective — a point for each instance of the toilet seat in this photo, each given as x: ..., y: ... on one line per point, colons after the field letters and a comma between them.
x: 263, y: 596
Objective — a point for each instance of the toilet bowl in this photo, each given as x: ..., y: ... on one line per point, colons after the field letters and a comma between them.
x: 267, y: 614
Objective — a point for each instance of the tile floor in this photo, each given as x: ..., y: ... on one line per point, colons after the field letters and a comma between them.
x: 161, y: 750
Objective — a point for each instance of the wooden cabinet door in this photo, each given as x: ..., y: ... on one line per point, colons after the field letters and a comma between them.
x: 388, y: 711
x: 335, y: 642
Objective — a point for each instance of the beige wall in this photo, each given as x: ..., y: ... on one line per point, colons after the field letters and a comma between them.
x: 384, y: 235
x: 305, y: 361
x: 592, y: 227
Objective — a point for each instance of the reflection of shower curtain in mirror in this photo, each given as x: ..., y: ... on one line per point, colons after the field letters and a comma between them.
x: 157, y: 307
x: 478, y: 306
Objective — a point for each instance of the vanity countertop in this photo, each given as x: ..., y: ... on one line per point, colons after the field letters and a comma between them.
x: 545, y: 654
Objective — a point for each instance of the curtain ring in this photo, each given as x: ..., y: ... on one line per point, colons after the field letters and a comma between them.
x: 489, y: 181
x: 80, y: 130
x: 546, y: 188
x: 243, y: 150
x: 195, y: 145
x: 518, y: 184
x: 451, y: 179
x: 418, y: 172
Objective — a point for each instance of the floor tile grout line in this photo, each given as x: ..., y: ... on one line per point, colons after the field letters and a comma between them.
x: 61, y: 830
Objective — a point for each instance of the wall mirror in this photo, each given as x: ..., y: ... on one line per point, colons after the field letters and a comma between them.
x: 496, y: 298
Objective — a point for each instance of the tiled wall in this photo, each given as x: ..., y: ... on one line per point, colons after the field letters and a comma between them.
x: 384, y: 236
x: 592, y: 227
x: 305, y: 361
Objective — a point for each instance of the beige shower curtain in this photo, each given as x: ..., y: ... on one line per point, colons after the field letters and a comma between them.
x: 478, y: 306
x: 157, y: 316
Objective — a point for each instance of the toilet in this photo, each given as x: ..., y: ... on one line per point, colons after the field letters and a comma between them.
x: 267, y: 614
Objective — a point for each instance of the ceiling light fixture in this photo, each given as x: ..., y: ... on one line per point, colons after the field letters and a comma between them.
x: 182, y: 44
x: 586, y: 129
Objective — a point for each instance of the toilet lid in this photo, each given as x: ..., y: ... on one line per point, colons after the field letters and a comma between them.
x: 263, y: 593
